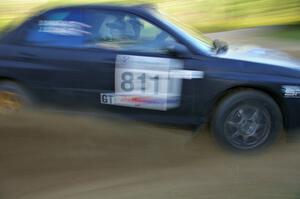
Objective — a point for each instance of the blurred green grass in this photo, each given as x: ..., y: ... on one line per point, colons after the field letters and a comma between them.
x: 205, y: 15
x: 287, y: 32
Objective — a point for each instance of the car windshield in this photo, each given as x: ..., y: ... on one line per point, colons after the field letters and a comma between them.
x: 196, y: 38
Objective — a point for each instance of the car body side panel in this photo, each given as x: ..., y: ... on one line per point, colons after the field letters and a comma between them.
x: 78, y: 76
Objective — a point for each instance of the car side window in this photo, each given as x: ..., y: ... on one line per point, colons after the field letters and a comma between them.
x: 126, y: 32
x: 59, y: 28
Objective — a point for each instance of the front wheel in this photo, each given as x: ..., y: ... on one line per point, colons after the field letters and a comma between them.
x: 247, y: 120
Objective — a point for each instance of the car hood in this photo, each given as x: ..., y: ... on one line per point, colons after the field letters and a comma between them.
x: 261, y: 55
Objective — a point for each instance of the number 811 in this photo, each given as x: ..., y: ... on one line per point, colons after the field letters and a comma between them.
x: 129, y: 83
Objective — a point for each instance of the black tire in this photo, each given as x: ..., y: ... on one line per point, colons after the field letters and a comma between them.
x: 21, y: 94
x: 247, y: 120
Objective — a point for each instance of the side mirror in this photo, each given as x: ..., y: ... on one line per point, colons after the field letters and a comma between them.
x: 177, y: 50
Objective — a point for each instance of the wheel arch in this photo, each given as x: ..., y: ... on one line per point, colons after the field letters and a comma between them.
x: 278, y: 99
x: 5, y: 78
x: 21, y: 84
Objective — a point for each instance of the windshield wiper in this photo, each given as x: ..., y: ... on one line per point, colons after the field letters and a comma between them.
x: 220, y: 46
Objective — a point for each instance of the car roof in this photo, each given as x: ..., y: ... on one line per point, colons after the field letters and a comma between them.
x: 138, y: 7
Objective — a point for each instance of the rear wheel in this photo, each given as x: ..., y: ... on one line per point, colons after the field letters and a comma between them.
x: 13, y: 97
x: 247, y: 120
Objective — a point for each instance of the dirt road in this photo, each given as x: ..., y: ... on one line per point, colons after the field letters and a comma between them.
x: 54, y: 156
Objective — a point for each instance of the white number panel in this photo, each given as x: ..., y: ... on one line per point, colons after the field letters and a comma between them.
x: 145, y: 82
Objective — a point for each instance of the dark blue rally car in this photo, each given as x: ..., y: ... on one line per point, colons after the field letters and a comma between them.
x: 132, y: 60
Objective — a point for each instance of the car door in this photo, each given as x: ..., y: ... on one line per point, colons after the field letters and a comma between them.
x: 148, y: 82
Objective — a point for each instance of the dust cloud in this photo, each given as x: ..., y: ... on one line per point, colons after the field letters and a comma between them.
x: 50, y: 155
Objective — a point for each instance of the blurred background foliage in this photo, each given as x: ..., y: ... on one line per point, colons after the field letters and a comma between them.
x: 205, y: 15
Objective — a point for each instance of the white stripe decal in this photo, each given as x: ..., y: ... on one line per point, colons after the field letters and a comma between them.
x: 186, y: 74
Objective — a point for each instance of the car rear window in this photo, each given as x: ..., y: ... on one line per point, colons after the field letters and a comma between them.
x: 63, y: 28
